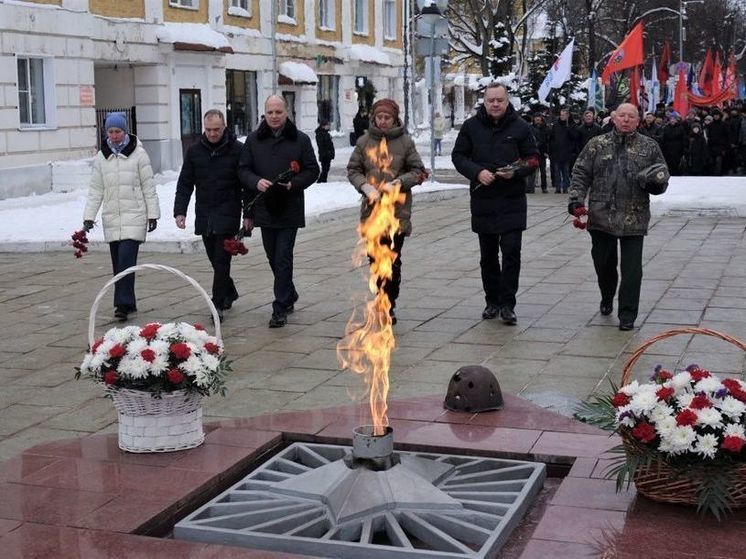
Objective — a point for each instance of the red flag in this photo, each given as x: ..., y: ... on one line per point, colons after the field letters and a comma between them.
x: 704, y: 79
x: 665, y: 62
x: 634, y: 87
x: 681, y: 99
x: 627, y: 55
x: 717, y: 76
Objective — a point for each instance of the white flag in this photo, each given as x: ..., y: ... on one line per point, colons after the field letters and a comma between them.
x: 559, y: 73
x: 655, y: 89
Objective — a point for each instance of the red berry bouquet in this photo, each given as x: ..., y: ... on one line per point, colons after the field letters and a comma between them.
x: 578, y: 213
x: 80, y: 243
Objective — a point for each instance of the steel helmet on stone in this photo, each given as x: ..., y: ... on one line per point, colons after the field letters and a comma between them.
x: 472, y: 389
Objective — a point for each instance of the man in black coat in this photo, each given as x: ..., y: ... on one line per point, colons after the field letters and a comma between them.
x: 495, y: 150
x: 211, y: 168
x: 588, y: 129
x: 540, y: 131
x: 325, y: 145
x: 561, y: 146
x: 278, y: 207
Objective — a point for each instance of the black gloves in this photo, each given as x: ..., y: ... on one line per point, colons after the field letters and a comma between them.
x: 572, y: 206
x: 87, y: 225
x: 152, y: 224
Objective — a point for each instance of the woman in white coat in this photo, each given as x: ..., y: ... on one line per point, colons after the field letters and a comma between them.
x: 122, y: 183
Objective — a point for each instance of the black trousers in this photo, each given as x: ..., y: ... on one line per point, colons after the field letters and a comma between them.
x: 500, y: 284
x: 604, y: 254
x: 278, y: 246
x: 391, y: 288
x: 220, y: 260
x: 123, y: 256
x: 325, y: 164
x: 542, y: 172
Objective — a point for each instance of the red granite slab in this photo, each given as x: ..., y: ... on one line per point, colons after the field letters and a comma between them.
x: 48, y: 505
x: 19, y: 467
x: 552, y: 444
x: 244, y: 438
x: 8, y: 526
x: 305, y: 422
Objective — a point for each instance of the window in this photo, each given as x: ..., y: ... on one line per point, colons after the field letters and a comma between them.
x: 241, y: 101
x: 389, y: 19
x: 326, y: 14
x: 240, y: 5
x: 288, y: 8
x: 327, y: 100
x: 35, y: 91
x: 191, y: 4
x: 361, y: 16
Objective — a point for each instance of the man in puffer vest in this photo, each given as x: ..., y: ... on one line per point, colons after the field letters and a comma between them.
x: 617, y: 172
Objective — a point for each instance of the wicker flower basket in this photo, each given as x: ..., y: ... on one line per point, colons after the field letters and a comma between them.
x: 147, y: 424
x: 660, y: 482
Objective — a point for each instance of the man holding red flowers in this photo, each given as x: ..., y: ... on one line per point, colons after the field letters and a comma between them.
x: 280, y: 210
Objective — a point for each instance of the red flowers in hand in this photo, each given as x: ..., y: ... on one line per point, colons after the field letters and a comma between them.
x: 80, y: 243
x: 234, y: 246
x: 578, y: 213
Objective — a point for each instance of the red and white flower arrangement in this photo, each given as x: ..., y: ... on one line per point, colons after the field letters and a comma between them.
x: 157, y: 358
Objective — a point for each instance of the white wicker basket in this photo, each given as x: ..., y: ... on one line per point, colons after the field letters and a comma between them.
x: 147, y: 424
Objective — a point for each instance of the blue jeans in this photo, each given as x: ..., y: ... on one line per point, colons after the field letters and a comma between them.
x: 278, y: 246
x: 561, y: 175
x: 123, y: 256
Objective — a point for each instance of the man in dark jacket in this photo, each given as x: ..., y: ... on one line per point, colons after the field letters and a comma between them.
x: 588, y: 129
x: 540, y: 131
x: 279, y: 207
x: 617, y: 172
x: 650, y: 129
x: 561, y: 146
x: 211, y: 168
x: 673, y: 142
x: 325, y: 145
x: 495, y: 150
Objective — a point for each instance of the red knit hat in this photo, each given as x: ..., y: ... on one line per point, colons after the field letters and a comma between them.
x: 388, y: 106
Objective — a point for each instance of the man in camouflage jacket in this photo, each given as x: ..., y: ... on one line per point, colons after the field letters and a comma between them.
x: 617, y: 172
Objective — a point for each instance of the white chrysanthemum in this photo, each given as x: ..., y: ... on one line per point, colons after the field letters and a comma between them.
x: 665, y: 445
x: 681, y: 381
x: 192, y: 365
x: 643, y: 402
x: 123, y: 335
x: 159, y: 364
x: 210, y: 361
x: 627, y: 420
x: 681, y: 439
x: 660, y: 413
x: 709, y: 385
x: 734, y: 430
x: 160, y: 347
x: 201, y: 379
x: 707, y: 445
x: 85, y: 367
x: 167, y: 331
x: 102, y: 355
x: 630, y: 389
x: 136, y: 346
x: 683, y: 400
x: 134, y: 367
x: 710, y: 417
x: 666, y: 425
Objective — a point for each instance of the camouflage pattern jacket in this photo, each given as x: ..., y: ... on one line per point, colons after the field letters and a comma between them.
x: 610, y: 172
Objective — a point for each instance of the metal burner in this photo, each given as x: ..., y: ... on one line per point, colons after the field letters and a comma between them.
x: 370, y: 502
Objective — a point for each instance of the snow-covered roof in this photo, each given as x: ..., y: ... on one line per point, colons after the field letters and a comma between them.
x: 193, y: 36
x: 367, y: 53
x: 298, y: 72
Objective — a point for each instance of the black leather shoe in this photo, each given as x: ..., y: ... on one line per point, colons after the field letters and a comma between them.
x: 228, y: 302
x: 120, y: 313
x: 490, y: 311
x: 606, y: 308
x: 278, y: 320
x: 392, y: 314
x: 508, y: 316
x: 626, y: 325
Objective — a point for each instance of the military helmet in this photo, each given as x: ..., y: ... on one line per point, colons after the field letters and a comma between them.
x: 473, y: 389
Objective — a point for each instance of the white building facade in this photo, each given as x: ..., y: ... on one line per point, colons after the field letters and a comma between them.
x: 65, y: 63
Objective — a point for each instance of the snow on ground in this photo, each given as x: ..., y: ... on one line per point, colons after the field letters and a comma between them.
x: 53, y: 217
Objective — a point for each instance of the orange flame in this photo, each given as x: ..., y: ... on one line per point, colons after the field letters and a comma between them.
x: 366, y: 347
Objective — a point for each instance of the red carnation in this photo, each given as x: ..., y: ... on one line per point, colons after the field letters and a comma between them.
x: 117, y: 351
x: 180, y: 350
x: 732, y: 444
x: 686, y: 417
x: 739, y: 395
x: 175, y: 376
x: 295, y: 166
x: 644, y: 432
x: 111, y: 377
x: 664, y: 375
x: 620, y: 399
x: 212, y: 348
x: 96, y: 345
x: 700, y: 401
x: 698, y: 374
x: 149, y: 330
x: 198, y: 326
x: 732, y: 385
x: 664, y: 393
x: 148, y: 355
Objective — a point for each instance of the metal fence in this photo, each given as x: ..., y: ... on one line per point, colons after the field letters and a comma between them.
x: 129, y: 113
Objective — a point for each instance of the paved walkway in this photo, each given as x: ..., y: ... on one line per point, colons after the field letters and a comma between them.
x: 561, y: 349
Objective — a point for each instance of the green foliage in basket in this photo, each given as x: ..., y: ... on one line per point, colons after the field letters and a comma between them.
x: 158, y: 358
x: 691, y: 422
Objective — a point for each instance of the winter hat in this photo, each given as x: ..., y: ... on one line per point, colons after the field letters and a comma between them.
x: 387, y: 106
x: 115, y: 120
x: 674, y: 114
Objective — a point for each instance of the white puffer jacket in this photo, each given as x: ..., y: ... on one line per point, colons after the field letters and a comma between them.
x: 123, y: 183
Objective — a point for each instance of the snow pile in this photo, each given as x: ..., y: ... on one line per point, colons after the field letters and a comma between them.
x: 193, y: 34
x: 298, y: 72
x: 366, y: 53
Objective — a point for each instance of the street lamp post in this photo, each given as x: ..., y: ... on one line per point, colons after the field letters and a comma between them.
x: 434, y: 25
